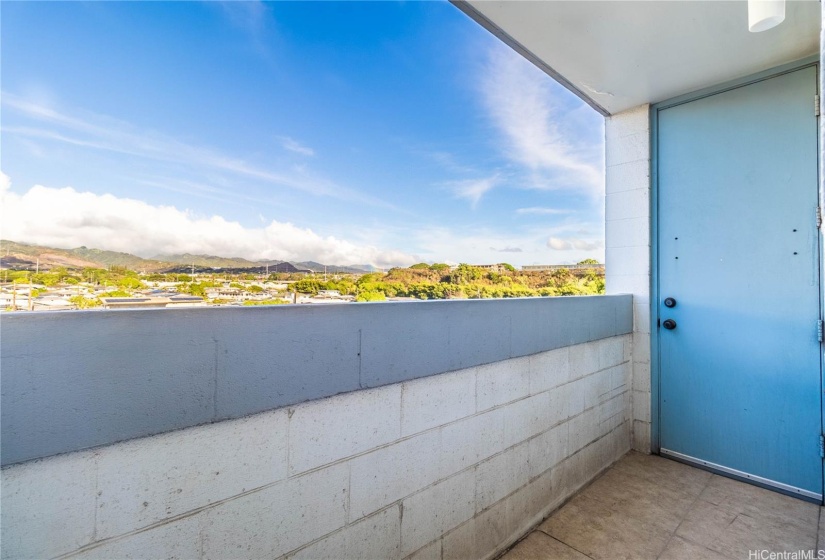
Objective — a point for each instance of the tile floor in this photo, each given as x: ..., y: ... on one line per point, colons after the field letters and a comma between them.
x: 648, y: 507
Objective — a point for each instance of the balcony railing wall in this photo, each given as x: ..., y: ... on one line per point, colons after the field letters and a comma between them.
x: 476, y: 431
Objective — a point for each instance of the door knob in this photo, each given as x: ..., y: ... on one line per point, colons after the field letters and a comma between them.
x: 669, y: 324
x: 670, y: 302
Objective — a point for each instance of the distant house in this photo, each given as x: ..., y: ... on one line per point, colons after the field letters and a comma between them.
x: 329, y: 294
x: 552, y: 267
x: 181, y: 300
x: 224, y: 292
x: 490, y: 267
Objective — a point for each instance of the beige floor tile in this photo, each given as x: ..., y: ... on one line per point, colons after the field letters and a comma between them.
x: 633, y: 510
x: 680, y: 549
x: 667, y: 472
x: 734, y: 533
x: 604, y: 532
x: 760, y: 503
x: 539, y: 546
x: 659, y: 504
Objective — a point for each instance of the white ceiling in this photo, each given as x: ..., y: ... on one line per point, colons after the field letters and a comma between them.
x: 620, y: 54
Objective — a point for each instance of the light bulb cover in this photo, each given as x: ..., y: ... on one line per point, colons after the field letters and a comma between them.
x: 765, y: 14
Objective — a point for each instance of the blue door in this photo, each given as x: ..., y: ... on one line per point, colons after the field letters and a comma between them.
x: 738, y: 254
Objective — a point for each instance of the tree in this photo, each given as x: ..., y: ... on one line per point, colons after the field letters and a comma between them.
x: 83, y: 302
x: 264, y: 302
x: 307, y: 286
x: 589, y: 261
x: 371, y: 296
x: 116, y: 293
x: 130, y: 283
x: 508, y: 266
x: 465, y: 274
x: 420, y: 266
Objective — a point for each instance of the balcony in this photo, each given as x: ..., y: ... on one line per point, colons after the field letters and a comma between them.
x: 453, y: 429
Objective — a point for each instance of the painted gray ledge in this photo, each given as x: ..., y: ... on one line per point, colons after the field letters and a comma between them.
x: 76, y: 380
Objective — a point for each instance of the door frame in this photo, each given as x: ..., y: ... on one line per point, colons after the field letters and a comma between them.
x: 655, y: 356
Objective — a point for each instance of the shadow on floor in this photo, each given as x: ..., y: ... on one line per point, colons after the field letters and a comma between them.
x: 648, y: 507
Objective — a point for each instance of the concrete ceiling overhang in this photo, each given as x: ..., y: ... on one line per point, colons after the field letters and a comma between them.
x: 619, y: 54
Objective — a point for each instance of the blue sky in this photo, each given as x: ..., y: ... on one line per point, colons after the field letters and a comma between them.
x: 343, y: 132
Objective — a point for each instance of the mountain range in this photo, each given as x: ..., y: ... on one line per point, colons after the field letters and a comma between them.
x: 24, y: 256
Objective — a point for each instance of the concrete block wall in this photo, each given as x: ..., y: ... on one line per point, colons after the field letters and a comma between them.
x: 456, y: 465
x: 628, y: 244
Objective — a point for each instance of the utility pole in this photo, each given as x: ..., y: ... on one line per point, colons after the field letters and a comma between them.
x: 193, y: 270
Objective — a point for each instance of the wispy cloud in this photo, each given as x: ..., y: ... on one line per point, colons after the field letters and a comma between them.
x: 542, y: 211
x: 91, y: 130
x: 574, y: 243
x: 294, y: 146
x: 65, y: 217
x: 521, y: 103
x: 480, y: 245
x: 448, y: 161
x: 250, y: 16
x: 473, y: 189
x: 246, y: 14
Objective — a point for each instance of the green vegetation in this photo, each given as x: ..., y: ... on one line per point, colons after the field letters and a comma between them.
x: 371, y: 296
x: 116, y: 293
x: 420, y: 281
x: 345, y: 286
x: 83, y: 302
x: 423, y: 281
x: 266, y: 302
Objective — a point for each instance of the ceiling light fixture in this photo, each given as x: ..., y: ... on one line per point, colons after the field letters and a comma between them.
x: 765, y: 14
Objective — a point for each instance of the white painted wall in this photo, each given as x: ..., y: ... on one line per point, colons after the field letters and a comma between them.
x: 456, y: 465
x: 627, y: 253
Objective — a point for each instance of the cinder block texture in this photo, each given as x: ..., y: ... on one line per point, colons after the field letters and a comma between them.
x: 275, y: 520
x: 195, y: 467
x: 179, y: 540
x: 459, y: 465
x: 376, y: 536
x: 434, y: 401
x: 327, y: 430
x: 48, y: 506
x: 628, y: 243
x: 437, y: 509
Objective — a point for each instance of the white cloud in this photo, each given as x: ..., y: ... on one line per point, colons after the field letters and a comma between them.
x: 520, y: 101
x: 250, y: 16
x: 294, y: 146
x: 573, y: 243
x: 105, y: 133
x: 67, y: 218
x: 473, y: 189
x: 542, y: 211
x: 485, y: 245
